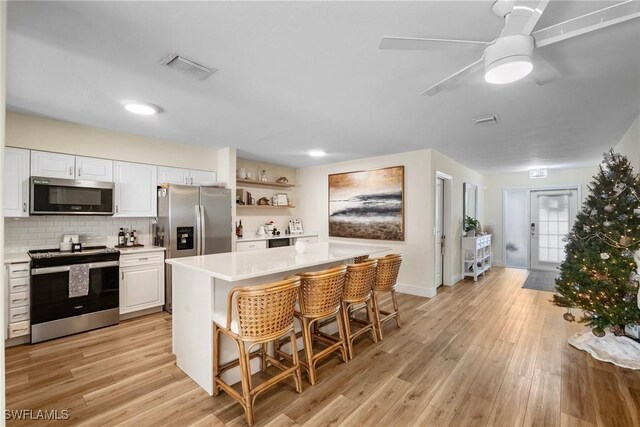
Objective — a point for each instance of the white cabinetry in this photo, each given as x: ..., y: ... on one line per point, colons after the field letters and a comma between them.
x: 476, y: 255
x: 141, y: 281
x: 197, y: 177
x: 185, y: 176
x: 16, y: 182
x: 167, y: 175
x: 66, y: 166
x: 53, y: 165
x: 306, y: 239
x: 17, y: 300
x: 251, y: 246
x: 135, y: 189
x: 93, y: 169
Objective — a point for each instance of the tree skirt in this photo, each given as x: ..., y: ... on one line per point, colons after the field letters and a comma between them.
x: 620, y: 351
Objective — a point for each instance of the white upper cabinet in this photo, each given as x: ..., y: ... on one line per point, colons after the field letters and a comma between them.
x: 92, y: 169
x: 53, y: 165
x: 185, y: 176
x: 16, y: 182
x: 167, y: 175
x: 201, y: 177
x: 135, y: 189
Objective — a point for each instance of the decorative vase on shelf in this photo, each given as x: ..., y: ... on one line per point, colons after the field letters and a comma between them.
x: 471, y: 233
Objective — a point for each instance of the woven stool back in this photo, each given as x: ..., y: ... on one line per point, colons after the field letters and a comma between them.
x: 387, y: 273
x: 359, y: 281
x: 264, y: 312
x: 360, y: 259
x: 321, y: 291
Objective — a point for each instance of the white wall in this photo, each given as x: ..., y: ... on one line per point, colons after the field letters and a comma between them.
x: 416, y: 274
x: 460, y: 174
x: 494, y: 185
x: 629, y: 145
x: 37, y: 133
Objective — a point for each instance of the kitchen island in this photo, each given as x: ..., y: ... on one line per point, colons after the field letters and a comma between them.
x: 201, y: 285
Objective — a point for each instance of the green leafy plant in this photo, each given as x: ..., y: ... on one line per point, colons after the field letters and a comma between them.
x: 470, y: 224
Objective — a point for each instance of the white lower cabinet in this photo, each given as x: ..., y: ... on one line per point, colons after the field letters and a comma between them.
x: 141, y: 281
x: 17, y: 300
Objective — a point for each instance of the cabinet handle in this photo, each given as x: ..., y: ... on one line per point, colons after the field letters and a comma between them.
x: 122, y: 275
x: 24, y: 207
x: 79, y: 171
x: 70, y: 171
x: 191, y: 180
x: 116, y: 208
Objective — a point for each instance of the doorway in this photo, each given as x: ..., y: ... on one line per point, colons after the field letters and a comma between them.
x: 444, y: 272
x: 535, y: 223
x: 439, y: 232
x: 552, y: 216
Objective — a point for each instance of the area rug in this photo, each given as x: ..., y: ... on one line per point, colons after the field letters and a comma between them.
x: 621, y: 351
x: 541, y: 280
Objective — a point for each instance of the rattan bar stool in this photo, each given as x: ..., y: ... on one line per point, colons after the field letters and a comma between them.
x: 319, y: 300
x: 257, y: 315
x: 385, y: 282
x: 357, y: 294
x: 360, y: 259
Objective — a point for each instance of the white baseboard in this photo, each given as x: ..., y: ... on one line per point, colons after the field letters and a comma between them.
x: 403, y: 288
x: 454, y: 279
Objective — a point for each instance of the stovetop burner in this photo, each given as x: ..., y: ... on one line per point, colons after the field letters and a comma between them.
x: 87, y: 250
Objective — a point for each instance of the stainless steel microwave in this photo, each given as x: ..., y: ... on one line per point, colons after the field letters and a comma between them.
x: 53, y: 196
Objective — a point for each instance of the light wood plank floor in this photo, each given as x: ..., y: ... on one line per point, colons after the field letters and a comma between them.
x: 479, y: 354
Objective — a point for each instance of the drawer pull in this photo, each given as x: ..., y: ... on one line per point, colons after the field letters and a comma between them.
x: 21, y: 329
x: 143, y: 259
x: 252, y: 246
x: 78, y: 307
x: 19, y: 286
x: 18, y: 300
x: 20, y: 271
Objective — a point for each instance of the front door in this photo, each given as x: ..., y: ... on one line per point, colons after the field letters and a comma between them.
x: 439, y: 237
x: 552, y: 216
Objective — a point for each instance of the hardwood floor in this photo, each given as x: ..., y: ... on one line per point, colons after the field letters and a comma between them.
x: 489, y: 353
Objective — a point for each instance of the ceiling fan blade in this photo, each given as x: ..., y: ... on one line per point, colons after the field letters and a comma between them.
x: 543, y: 72
x: 593, y: 21
x: 453, y: 79
x: 523, y: 17
x: 417, y: 43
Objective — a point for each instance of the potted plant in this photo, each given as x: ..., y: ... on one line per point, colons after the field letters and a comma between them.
x: 471, y: 225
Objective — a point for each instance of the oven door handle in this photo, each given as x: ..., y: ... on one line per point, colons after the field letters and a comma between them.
x: 48, y: 270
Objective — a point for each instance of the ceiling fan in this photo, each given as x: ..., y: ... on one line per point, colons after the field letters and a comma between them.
x: 511, y: 56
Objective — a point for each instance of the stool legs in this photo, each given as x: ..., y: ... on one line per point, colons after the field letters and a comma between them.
x: 395, y: 314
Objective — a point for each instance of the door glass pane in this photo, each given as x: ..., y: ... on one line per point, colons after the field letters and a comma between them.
x: 555, y: 209
x: 516, y: 228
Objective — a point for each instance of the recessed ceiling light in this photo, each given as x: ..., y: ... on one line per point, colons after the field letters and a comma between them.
x: 316, y: 153
x: 141, y: 107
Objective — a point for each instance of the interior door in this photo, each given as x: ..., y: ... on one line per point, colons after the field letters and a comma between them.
x: 552, y: 216
x: 439, y: 237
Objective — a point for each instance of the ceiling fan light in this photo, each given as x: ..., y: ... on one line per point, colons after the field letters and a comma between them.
x: 508, y: 70
x: 508, y: 59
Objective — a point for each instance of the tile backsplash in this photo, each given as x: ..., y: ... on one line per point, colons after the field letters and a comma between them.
x: 47, y: 231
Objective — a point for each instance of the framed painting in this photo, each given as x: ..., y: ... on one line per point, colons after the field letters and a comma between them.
x: 367, y: 204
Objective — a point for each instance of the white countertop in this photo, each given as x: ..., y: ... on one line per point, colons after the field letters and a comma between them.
x: 140, y: 249
x: 12, y: 258
x: 234, y: 266
x: 255, y: 237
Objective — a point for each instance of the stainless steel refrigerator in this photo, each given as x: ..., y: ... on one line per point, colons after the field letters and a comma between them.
x: 192, y: 220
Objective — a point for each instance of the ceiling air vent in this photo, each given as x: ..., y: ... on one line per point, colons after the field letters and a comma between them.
x: 489, y: 120
x: 187, y: 66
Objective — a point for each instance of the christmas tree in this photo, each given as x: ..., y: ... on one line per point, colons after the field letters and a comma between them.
x: 598, y: 274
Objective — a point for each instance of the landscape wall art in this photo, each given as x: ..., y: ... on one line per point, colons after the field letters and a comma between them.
x: 367, y: 204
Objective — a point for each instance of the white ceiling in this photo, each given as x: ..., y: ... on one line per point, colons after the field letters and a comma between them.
x: 300, y: 75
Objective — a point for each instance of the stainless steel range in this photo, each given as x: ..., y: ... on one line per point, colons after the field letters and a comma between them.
x: 73, y: 292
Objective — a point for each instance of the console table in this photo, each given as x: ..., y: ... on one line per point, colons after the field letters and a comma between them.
x: 476, y: 255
